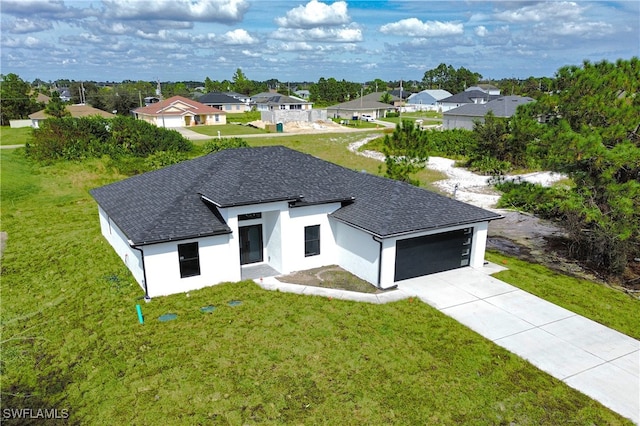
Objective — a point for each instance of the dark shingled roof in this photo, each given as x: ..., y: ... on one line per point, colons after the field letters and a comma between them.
x: 168, y: 204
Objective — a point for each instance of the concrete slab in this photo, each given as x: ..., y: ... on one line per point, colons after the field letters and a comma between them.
x: 593, y: 337
x: 437, y: 293
x: 488, y: 320
x: 550, y: 353
x: 529, y: 307
x: 629, y: 363
x: 613, y: 387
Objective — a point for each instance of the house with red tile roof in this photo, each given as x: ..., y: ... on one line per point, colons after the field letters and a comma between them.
x: 179, y: 111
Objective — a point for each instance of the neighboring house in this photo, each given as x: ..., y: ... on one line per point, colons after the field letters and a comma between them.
x: 366, y: 105
x: 304, y: 94
x: 465, y: 116
x: 427, y: 100
x: 224, y: 102
x: 243, y: 98
x: 487, y: 88
x: 179, y: 111
x: 469, y: 96
x: 270, y: 101
x: 205, y: 221
x: 76, y: 111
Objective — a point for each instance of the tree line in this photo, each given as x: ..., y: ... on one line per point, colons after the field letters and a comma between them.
x: 18, y: 97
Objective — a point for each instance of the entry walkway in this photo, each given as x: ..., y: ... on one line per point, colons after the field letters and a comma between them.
x: 598, y: 361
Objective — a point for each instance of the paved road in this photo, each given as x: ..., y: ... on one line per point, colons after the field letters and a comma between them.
x: 598, y: 361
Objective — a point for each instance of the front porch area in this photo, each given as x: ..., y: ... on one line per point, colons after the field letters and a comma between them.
x: 257, y: 271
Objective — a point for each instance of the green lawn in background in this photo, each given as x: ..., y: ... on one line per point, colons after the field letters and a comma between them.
x: 71, y: 337
x: 19, y: 136
x: 227, y: 130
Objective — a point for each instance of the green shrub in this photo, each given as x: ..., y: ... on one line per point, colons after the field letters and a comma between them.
x: 215, y: 145
x: 530, y: 197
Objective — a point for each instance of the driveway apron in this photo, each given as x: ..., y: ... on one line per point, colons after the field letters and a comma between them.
x: 598, y: 361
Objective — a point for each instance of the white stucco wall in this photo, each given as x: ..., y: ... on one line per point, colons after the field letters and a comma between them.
x: 217, y: 264
x: 356, y: 251
x: 116, y: 238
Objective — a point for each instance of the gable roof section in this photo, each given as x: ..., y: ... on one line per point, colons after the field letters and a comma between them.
x: 177, y: 105
x: 76, y: 111
x: 369, y: 101
x: 504, y: 106
x: 181, y: 201
x: 467, y: 97
x: 219, y: 98
x: 278, y: 99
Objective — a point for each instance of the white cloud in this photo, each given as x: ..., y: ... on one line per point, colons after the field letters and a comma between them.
x: 413, y: 27
x: 251, y: 54
x: 238, y: 37
x: 315, y: 14
x: 177, y: 10
x: 481, y: 31
x: 22, y: 25
x: 587, y: 29
x: 542, y: 12
x: 338, y: 35
x: 295, y: 46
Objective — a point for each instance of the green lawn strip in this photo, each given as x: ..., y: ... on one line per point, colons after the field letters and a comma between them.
x: 598, y: 302
x: 227, y: 130
x: 71, y: 339
x: 19, y: 136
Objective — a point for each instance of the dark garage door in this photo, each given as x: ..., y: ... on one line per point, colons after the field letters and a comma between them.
x: 432, y: 253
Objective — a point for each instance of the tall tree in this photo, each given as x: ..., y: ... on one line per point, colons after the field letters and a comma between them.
x: 240, y: 83
x: 405, y: 152
x: 55, y: 107
x: 446, y: 77
x: 16, y: 99
x: 593, y: 134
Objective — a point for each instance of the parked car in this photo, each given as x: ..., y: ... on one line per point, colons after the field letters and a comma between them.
x: 367, y: 117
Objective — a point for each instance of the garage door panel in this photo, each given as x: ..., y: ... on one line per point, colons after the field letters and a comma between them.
x: 432, y: 253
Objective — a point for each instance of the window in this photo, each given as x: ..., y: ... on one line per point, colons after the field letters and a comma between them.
x: 311, y: 240
x: 189, y: 260
x: 217, y: 116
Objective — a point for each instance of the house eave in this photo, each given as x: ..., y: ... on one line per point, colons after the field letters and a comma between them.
x: 180, y: 238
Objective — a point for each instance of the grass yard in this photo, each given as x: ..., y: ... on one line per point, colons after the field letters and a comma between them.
x: 71, y: 339
x: 19, y: 136
x: 227, y: 130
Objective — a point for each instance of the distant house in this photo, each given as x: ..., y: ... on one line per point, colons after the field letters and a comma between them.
x: 426, y: 100
x: 465, y: 116
x: 304, y: 94
x: 269, y: 101
x: 469, y: 96
x: 217, y: 217
x: 368, y: 104
x: 76, y: 111
x: 243, y: 98
x: 224, y: 102
x: 179, y: 111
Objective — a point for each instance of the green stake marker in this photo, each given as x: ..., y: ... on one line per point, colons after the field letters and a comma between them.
x: 140, y: 318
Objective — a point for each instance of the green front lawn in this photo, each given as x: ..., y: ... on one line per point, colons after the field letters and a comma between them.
x: 227, y: 130
x: 71, y: 337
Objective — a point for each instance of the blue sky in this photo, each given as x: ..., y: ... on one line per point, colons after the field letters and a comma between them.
x: 174, y: 40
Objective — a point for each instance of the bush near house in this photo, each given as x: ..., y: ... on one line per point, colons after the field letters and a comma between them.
x: 92, y: 137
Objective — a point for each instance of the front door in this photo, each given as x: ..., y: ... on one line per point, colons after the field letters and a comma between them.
x: 250, y: 244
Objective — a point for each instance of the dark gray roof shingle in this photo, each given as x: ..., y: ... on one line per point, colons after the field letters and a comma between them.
x: 167, y: 204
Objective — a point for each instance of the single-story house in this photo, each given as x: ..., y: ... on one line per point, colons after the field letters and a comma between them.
x: 76, y: 111
x: 426, y: 100
x: 469, y: 96
x: 270, y: 101
x: 369, y: 104
x: 242, y: 98
x: 204, y: 221
x: 179, y: 111
x: 465, y: 116
x: 224, y: 102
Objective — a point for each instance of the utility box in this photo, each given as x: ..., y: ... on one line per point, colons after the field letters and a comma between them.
x: 280, y: 127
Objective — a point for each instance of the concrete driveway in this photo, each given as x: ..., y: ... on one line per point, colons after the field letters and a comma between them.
x: 598, y: 361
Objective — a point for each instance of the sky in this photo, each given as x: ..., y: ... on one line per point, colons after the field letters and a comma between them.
x: 189, y: 40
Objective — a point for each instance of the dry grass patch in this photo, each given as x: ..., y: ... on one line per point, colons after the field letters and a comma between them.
x: 330, y: 277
